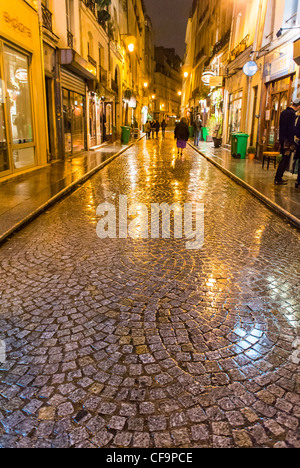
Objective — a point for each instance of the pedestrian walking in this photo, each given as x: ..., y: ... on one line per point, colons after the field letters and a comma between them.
x: 182, y: 134
x: 297, y: 156
x: 147, y: 129
x: 197, y: 129
x: 153, y: 128
x: 287, y: 139
x: 157, y: 127
x: 163, y: 128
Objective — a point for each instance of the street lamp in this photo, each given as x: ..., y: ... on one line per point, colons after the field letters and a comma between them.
x: 145, y: 85
x: 179, y: 93
x: 186, y: 74
x: 130, y: 42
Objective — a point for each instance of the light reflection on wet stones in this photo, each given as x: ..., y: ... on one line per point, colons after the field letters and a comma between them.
x: 141, y: 343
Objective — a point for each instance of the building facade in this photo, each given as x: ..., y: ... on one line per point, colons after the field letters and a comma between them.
x: 97, y: 59
x: 167, y: 86
x: 243, y: 71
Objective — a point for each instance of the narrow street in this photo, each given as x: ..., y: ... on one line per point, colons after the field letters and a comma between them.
x: 142, y: 343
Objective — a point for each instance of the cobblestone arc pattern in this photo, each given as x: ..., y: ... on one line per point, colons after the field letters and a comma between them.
x: 142, y: 343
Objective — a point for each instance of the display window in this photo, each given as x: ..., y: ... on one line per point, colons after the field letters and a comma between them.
x: 278, y: 98
x: 17, y: 145
x: 235, y: 114
x: 74, y: 121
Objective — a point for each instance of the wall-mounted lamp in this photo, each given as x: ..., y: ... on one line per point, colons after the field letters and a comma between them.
x: 279, y: 33
x: 130, y: 42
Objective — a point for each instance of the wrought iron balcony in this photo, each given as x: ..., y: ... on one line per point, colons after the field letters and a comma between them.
x: 70, y: 40
x: 114, y: 86
x: 239, y: 48
x: 102, y: 75
x: 92, y: 61
x: 91, y: 5
x: 47, y: 18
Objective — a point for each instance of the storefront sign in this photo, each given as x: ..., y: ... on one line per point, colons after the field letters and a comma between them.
x: 250, y: 68
x: 282, y: 64
x: 206, y: 76
x: 16, y: 24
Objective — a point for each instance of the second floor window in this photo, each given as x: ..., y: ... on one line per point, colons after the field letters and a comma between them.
x: 69, y: 14
x: 290, y: 12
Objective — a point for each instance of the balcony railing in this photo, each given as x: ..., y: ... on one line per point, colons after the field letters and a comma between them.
x: 70, y: 40
x: 114, y: 86
x: 91, y: 4
x: 92, y: 61
x: 239, y: 48
x: 102, y: 76
x: 47, y: 18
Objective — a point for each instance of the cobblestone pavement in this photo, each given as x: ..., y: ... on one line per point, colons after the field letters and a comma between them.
x: 140, y: 342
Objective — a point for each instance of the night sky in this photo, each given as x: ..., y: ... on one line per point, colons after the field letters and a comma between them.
x: 169, y: 19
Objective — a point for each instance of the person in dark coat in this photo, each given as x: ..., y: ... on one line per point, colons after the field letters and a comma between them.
x: 163, y: 127
x: 297, y: 157
x: 153, y: 127
x: 182, y: 134
x: 157, y: 127
x: 287, y: 139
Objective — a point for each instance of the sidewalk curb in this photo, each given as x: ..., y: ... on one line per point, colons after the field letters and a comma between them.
x: 270, y: 204
x: 70, y: 188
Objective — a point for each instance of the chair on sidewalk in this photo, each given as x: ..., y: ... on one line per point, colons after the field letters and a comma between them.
x: 270, y: 156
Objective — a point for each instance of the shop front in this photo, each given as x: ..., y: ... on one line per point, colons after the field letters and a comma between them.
x: 75, y: 76
x: 22, y: 93
x: 279, y: 91
x: 234, y: 113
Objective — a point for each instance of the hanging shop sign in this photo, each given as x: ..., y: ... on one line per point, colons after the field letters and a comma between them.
x: 283, y: 64
x: 206, y: 76
x: 250, y: 68
x: 216, y: 81
x: 132, y: 103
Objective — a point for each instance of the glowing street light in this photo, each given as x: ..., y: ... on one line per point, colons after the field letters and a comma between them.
x: 130, y: 42
x: 179, y: 93
x: 145, y: 85
x: 186, y: 74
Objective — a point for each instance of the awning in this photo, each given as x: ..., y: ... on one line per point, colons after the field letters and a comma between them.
x: 70, y: 59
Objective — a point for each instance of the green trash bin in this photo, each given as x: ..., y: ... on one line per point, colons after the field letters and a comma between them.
x: 239, y: 143
x: 125, y: 137
x: 191, y: 131
x: 204, y: 133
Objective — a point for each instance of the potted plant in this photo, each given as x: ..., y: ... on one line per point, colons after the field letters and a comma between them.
x: 251, y: 152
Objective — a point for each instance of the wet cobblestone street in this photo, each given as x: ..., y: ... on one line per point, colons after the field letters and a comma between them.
x: 140, y: 342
